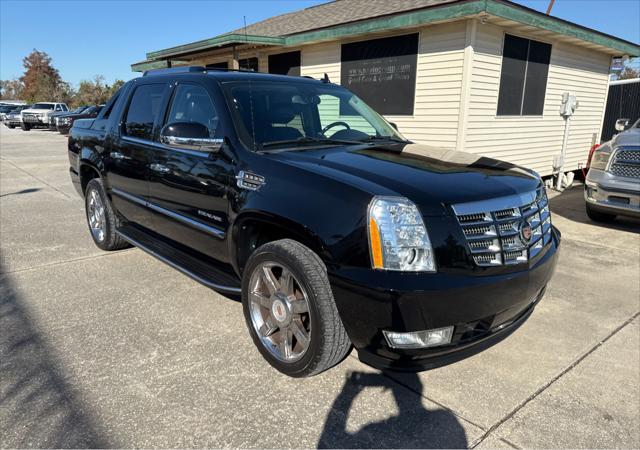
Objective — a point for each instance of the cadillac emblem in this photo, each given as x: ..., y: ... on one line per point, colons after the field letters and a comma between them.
x: 525, y: 232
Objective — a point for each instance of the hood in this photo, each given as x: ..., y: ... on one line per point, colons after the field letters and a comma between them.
x: 431, y: 177
x: 628, y: 137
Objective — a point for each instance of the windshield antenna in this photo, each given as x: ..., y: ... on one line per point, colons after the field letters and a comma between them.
x: 325, y: 79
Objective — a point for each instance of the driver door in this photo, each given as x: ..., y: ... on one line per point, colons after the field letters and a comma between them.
x: 187, y: 188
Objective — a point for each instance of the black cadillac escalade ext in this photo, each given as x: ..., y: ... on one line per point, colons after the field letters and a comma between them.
x: 335, y: 230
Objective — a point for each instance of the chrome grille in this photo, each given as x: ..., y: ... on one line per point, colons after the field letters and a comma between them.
x: 626, y: 162
x: 493, y: 228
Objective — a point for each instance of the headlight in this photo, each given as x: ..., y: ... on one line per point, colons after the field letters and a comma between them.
x: 600, y: 157
x: 398, y: 239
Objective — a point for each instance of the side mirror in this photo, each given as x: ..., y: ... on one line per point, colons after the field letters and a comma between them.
x: 189, y: 136
x: 622, y: 124
x: 394, y: 125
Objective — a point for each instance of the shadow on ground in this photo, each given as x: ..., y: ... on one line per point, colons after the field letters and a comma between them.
x: 37, y: 406
x: 24, y: 191
x: 413, y: 426
x: 570, y: 204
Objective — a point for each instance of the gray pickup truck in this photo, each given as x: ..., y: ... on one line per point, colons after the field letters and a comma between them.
x: 612, y: 187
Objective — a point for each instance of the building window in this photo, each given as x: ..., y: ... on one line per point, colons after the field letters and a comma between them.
x: 523, y: 81
x: 285, y: 63
x: 218, y: 65
x: 382, y: 72
x: 248, y: 64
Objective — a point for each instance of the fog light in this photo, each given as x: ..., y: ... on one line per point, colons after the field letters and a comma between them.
x: 419, y: 339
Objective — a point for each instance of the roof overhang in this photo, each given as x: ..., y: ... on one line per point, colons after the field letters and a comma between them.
x: 447, y: 12
x: 219, y: 41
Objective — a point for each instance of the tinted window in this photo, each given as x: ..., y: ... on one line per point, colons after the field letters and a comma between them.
x: 191, y: 103
x: 43, y: 106
x: 64, y: 108
x: 523, y: 81
x: 143, y: 110
x: 382, y: 72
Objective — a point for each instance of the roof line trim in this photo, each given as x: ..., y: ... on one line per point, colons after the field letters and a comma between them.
x: 231, y: 38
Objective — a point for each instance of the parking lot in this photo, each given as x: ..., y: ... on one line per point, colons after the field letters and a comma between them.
x: 117, y: 349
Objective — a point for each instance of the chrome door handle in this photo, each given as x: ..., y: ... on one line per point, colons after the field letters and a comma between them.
x: 118, y: 155
x: 159, y: 168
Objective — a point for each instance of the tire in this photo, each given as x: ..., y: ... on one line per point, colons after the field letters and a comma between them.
x: 25, y: 127
x: 95, y: 199
x: 11, y: 126
x: 598, y: 216
x: 327, y: 342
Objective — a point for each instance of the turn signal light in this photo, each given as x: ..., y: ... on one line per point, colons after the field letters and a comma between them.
x: 419, y: 339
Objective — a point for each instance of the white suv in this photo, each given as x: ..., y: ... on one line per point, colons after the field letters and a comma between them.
x: 38, y: 114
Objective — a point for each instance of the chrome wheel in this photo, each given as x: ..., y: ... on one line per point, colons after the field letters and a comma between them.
x: 279, y: 308
x: 96, y: 215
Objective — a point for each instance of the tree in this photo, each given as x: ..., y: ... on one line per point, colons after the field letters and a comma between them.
x: 629, y: 73
x: 11, y: 89
x: 41, y: 80
x: 96, y: 91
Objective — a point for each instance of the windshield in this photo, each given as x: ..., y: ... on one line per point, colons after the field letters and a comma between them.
x: 43, y: 106
x: 79, y: 109
x: 281, y: 115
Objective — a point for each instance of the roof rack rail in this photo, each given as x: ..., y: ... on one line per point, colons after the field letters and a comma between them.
x: 226, y: 69
x: 171, y: 70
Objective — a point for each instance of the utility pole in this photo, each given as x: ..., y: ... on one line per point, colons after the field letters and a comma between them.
x: 551, y: 2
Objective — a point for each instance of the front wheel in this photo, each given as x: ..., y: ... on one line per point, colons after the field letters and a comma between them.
x: 290, y: 311
x: 25, y: 127
x: 11, y: 126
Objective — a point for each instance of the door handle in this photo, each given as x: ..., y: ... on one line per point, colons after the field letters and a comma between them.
x: 159, y: 168
x: 118, y: 155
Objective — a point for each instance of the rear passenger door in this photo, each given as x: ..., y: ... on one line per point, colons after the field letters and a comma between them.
x: 188, y: 189
x: 131, y: 149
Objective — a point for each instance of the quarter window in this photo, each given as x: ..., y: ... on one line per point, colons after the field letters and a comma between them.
x: 523, y: 81
x: 192, y: 103
x: 143, y: 110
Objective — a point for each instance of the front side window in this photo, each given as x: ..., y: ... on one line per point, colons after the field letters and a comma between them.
x: 276, y: 114
x: 192, y: 103
x: 143, y: 110
x: 523, y: 81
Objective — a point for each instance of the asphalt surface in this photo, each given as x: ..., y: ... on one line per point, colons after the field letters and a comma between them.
x: 118, y: 349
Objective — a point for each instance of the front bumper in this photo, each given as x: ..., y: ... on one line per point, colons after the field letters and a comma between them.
x: 612, y: 194
x: 35, y: 120
x: 483, y: 309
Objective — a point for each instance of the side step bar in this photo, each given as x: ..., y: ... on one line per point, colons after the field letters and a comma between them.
x: 189, y: 265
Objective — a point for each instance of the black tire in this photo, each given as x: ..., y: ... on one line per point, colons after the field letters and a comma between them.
x: 25, y: 127
x: 598, y: 216
x: 11, y: 126
x: 328, y: 340
x: 110, y: 240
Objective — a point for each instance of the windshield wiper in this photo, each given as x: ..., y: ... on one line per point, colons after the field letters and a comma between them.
x: 386, y: 138
x: 308, y: 140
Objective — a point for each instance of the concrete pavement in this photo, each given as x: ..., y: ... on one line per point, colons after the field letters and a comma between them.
x: 117, y: 349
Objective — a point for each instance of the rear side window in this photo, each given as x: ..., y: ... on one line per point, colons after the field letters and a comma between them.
x: 191, y: 103
x: 143, y: 110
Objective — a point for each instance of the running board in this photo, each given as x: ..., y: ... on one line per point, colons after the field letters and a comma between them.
x: 193, y: 267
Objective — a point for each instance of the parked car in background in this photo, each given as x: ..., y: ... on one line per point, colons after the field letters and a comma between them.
x: 38, y: 114
x: 4, y: 110
x: 13, y: 118
x: 65, y: 121
x: 612, y: 186
x: 334, y: 229
x: 54, y: 115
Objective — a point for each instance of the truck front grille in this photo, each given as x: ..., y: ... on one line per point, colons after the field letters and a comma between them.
x: 496, y: 230
x: 626, y: 162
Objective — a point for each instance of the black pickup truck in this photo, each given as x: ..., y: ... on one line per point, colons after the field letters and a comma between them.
x: 333, y: 229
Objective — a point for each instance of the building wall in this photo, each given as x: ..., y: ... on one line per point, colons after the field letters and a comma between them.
x: 438, y: 81
x: 533, y: 141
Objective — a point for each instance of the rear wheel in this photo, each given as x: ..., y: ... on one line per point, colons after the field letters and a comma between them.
x: 25, y: 127
x: 290, y: 311
x: 101, y: 217
x: 598, y: 216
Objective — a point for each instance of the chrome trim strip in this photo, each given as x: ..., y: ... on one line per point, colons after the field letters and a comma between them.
x: 159, y: 146
x: 187, y: 272
x: 179, y: 217
x: 494, y: 204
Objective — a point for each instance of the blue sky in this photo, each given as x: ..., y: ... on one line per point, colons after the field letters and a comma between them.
x: 87, y: 37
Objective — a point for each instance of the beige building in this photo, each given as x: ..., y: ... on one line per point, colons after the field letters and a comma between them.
x: 484, y: 76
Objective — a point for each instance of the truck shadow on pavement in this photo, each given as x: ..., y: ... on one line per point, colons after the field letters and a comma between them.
x: 38, y: 408
x: 412, y: 426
